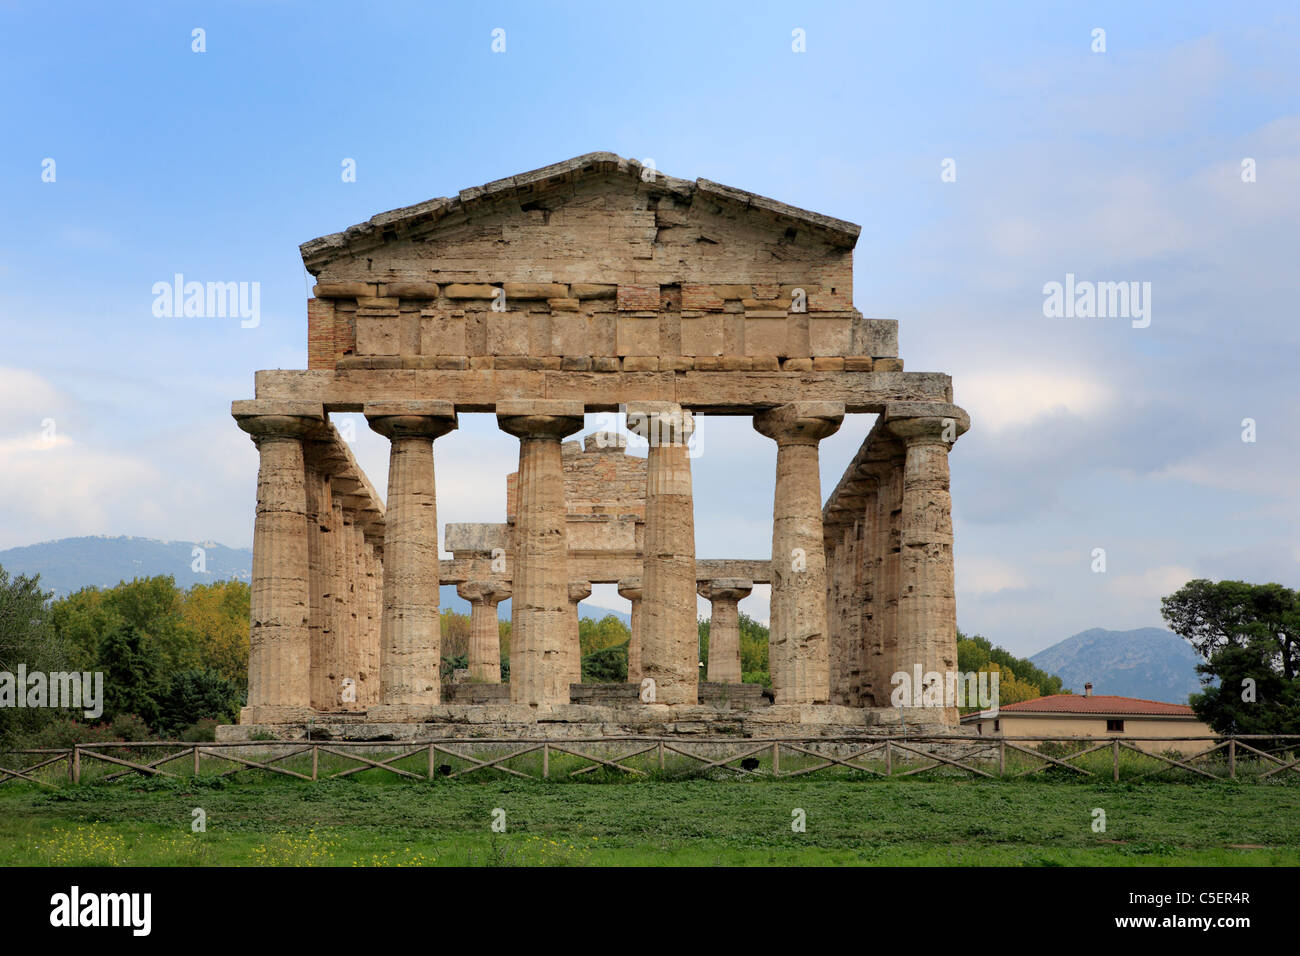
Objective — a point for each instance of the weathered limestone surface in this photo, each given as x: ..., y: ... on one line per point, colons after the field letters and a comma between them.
x: 484, y: 628
x: 799, y: 646
x: 738, y: 391
x: 927, y: 611
x: 320, y: 562
x: 539, y: 608
x: 578, y: 591
x: 669, y: 638
x: 410, y: 637
x: 724, y: 594
x: 630, y: 588
x: 279, y: 641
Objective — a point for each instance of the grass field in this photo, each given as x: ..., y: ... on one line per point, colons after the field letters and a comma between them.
x: 370, y: 819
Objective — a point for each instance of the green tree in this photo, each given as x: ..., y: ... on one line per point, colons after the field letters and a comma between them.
x: 216, y: 618
x: 605, y: 666
x: 26, y: 638
x: 152, y: 607
x: 133, y: 674
x: 1018, y: 679
x: 609, y: 631
x: 1248, y: 636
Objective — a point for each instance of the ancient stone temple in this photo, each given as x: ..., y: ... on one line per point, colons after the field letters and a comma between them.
x: 594, y: 285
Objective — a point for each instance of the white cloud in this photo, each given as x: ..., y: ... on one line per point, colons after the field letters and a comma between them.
x: 1007, y: 397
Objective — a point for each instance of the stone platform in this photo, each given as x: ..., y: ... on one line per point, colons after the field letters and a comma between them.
x: 578, y: 721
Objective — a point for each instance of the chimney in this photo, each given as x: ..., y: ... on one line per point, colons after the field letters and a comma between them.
x: 1087, y: 689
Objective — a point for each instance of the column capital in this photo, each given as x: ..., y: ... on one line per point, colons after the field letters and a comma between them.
x: 663, y: 423
x: 630, y: 588
x: 273, y: 419
x: 802, y: 423
x: 541, y: 418
x: 929, y: 422
x: 725, y: 589
x: 579, y: 591
x: 485, y: 591
x: 415, y: 419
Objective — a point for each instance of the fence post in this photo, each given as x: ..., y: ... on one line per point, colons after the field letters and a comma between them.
x: 546, y: 759
x: 661, y: 753
x: 432, y: 747
x: 776, y: 758
x: 1114, y: 759
x: 1002, y: 758
x: 76, y: 764
x: 1232, y: 758
x: 197, y: 753
x: 889, y: 760
x: 315, y: 761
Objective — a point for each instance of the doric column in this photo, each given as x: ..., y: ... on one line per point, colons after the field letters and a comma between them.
x: 484, y: 628
x: 539, y: 610
x: 326, y: 665
x: 670, y: 648
x: 319, y: 558
x: 368, y: 624
x: 798, y: 648
x: 377, y: 611
x: 857, y: 612
x: 869, y: 610
x: 723, y: 595
x: 844, y: 601
x: 342, y: 654
x: 410, y: 636
x: 927, y: 604
x: 630, y: 588
x: 351, y: 659
x: 279, y: 660
x: 887, y: 535
x: 578, y: 591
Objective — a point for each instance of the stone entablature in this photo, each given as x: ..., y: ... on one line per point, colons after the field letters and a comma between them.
x: 589, y: 266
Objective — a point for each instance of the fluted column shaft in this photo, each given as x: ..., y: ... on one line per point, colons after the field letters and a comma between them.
x: 798, y: 655
x: 410, y: 635
x: 927, y: 605
x: 279, y: 664
x: 484, y: 628
x: 539, y: 610
x: 669, y: 634
x: 318, y: 557
x: 578, y: 591
x: 888, y: 536
x: 724, y: 595
x: 630, y: 588
x: 374, y: 620
x: 350, y: 655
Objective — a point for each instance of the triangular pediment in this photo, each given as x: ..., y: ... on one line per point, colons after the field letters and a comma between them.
x: 588, y: 206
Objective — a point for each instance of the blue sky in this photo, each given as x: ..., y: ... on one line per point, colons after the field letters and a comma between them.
x: 1123, y: 165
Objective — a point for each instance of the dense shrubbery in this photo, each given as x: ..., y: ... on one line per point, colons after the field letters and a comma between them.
x: 172, y: 660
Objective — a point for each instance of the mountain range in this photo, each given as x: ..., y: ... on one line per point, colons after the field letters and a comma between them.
x: 1147, y: 662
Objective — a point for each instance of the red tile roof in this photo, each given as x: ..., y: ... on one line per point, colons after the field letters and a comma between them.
x: 1096, y: 704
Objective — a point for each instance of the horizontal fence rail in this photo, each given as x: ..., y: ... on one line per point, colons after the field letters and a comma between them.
x: 1257, y: 758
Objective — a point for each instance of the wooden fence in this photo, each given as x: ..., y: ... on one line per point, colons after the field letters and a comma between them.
x: 1266, y: 758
